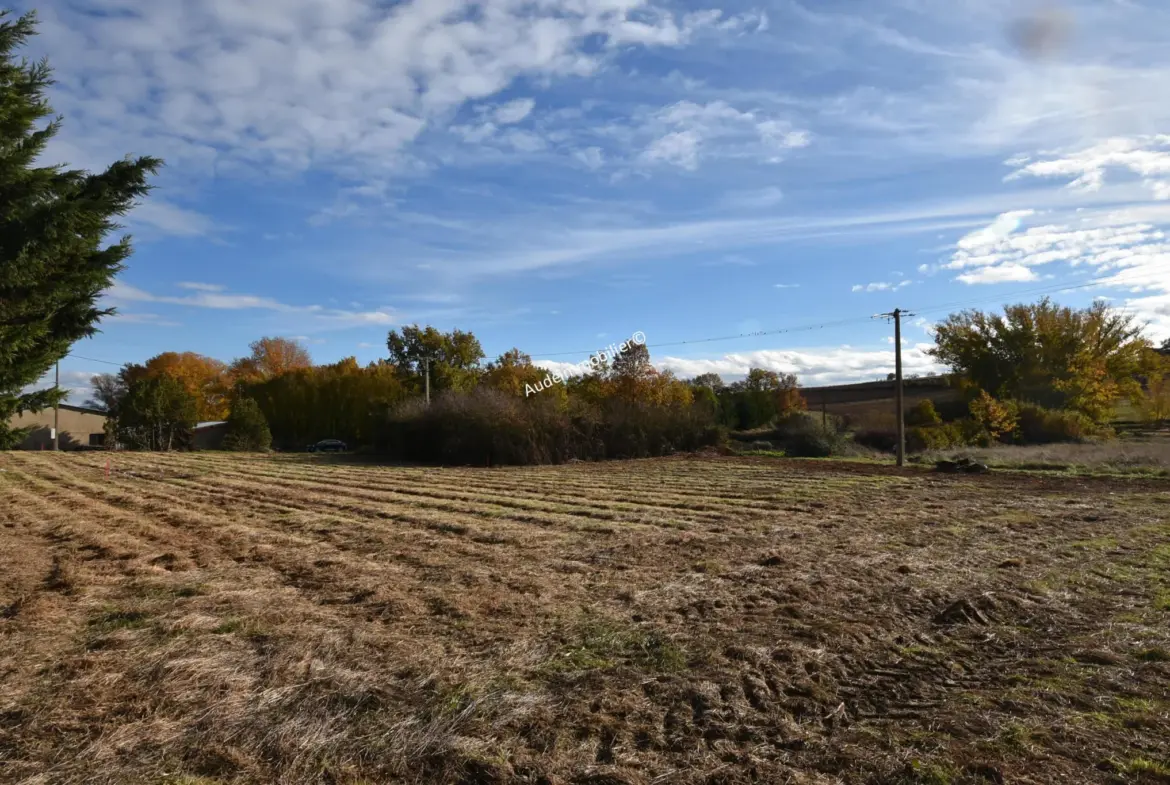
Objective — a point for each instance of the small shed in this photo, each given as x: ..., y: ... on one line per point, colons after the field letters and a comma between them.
x: 208, y: 435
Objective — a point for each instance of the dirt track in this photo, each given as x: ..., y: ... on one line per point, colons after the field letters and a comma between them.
x: 214, y: 619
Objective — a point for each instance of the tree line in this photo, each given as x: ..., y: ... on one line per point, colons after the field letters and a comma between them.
x: 154, y: 405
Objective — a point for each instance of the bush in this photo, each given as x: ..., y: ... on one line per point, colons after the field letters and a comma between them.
x: 882, y: 439
x: 1038, y: 425
x: 998, y: 418
x: 803, y: 436
x: 935, y: 437
x: 247, y: 428
x: 488, y: 427
x: 923, y: 414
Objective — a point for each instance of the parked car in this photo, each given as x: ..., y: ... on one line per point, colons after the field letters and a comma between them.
x: 328, y: 445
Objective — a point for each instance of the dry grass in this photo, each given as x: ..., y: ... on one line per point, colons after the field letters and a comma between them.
x: 229, y: 619
x: 1150, y: 456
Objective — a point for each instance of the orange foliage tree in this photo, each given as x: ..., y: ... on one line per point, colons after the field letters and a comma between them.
x: 202, y: 377
x: 270, y: 358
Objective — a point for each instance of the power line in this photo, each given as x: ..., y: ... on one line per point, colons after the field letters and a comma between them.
x: 757, y: 334
x: 93, y: 360
x: 783, y: 330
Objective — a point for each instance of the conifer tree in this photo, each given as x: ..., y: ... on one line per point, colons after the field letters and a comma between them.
x: 53, y: 220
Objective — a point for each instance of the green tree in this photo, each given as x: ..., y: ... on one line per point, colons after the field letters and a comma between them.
x: 53, y: 222
x: 157, y: 413
x: 712, y: 381
x: 1056, y: 357
x: 454, y: 358
x: 247, y: 428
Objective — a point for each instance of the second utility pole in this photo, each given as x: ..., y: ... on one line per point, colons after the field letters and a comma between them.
x: 899, y: 398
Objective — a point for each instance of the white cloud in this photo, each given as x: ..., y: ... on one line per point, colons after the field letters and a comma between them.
x: 592, y: 157
x: 680, y: 148
x: 880, y: 286
x: 829, y: 365
x: 787, y: 285
x: 165, y: 218
x: 1000, y: 273
x: 1125, y: 249
x: 135, y: 317
x: 124, y: 293
x: 76, y: 384
x: 514, y: 111
x: 686, y: 131
x: 1146, y: 156
x: 344, y: 85
x: 201, y: 287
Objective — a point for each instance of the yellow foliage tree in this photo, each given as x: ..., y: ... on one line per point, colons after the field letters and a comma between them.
x: 1060, y: 358
x: 203, y: 377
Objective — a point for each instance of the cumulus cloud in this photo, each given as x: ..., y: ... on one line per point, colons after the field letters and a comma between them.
x: 1118, y: 247
x: 1145, y: 156
x: 344, y: 85
x: 686, y: 131
x: 514, y: 111
x: 831, y: 365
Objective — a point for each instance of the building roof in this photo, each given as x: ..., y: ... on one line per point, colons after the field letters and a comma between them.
x: 83, y: 410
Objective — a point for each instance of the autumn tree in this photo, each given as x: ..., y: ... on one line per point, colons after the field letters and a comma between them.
x: 269, y: 358
x: 1056, y: 357
x: 454, y: 358
x: 338, y: 401
x: 53, y: 223
x: 203, y: 377
x: 512, y: 372
x: 1155, y: 402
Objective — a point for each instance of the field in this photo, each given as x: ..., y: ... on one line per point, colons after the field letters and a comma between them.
x: 202, y: 619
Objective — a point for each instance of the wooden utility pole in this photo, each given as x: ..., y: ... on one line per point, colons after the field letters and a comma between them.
x: 899, y: 398
x: 427, y: 363
x: 56, y: 408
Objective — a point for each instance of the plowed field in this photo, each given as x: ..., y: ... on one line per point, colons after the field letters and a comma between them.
x: 205, y: 618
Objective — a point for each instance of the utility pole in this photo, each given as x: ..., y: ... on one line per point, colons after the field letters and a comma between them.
x: 427, y: 363
x: 56, y: 408
x: 899, y: 398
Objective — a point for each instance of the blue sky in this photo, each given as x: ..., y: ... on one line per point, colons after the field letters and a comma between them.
x: 556, y: 175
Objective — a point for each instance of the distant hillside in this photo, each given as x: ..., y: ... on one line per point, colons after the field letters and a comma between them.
x: 871, y: 404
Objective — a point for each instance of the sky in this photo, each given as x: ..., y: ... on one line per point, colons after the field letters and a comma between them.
x: 556, y: 175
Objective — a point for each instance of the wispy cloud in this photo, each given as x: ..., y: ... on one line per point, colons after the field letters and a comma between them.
x: 880, y: 286
x: 217, y: 299
x: 687, y: 131
x: 344, y: 86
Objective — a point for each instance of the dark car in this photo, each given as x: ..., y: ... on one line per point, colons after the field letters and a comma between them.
x: 328, y: 445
